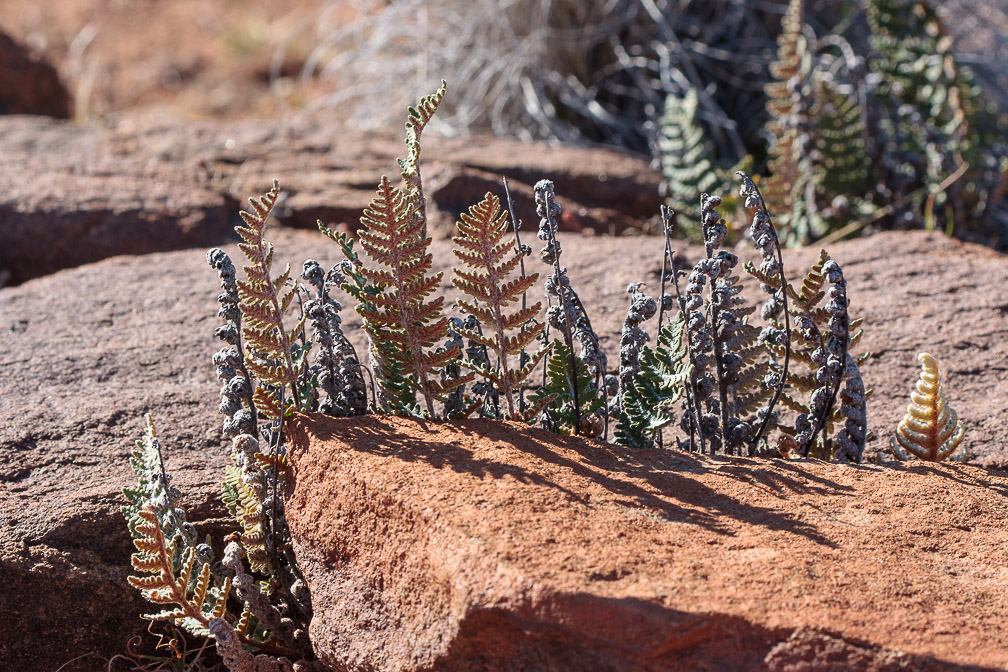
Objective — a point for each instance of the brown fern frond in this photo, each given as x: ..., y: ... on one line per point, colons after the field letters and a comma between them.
x: 263, y: 302
x: 401, y: 312
x: 931, y: 429
x: 189, y: 588
x: 483, y: 244
x: 249, y: 514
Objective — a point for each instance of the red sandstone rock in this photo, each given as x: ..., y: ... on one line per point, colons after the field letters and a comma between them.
x: 481, y: 545
x: 84, y: 353
x: 75, y: 195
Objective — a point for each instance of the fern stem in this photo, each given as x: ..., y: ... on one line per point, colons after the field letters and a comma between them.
x: 694, y: 405
x: 787, y: 328
x: 515, y: 225
x: 568, y: 336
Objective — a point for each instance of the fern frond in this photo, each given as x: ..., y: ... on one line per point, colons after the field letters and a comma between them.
x: 397, y: 309
x: 557, y: 395
x: 485, y: 245
x: 647, y: 404
x: 931, y: 429
x: 416, y: 120
x: 263, y: 303
x: 686, y: 160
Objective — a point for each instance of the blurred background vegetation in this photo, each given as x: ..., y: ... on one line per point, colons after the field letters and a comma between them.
x: 856, y: 114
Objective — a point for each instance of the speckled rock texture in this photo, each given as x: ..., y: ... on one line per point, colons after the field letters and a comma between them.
x: 76, y: 194
x: 481, y: 545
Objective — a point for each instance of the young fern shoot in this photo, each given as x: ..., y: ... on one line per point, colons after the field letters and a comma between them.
x: 931, y: 429
x: 482, y: 245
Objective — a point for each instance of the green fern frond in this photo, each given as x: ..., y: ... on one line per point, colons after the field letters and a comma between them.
x: 661, y: 381
x: 557, y: 395
x: 686, y: 160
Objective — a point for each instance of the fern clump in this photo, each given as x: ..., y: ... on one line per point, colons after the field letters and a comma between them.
x: 173, y: 569
x: 712, y: 360
x: 931, y: 429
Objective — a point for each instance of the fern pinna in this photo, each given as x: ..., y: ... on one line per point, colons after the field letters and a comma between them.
x: 483, y: 245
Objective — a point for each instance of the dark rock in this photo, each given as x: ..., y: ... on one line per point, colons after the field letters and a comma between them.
x: 29, y: 84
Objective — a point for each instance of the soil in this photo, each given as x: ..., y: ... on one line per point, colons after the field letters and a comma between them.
x: 178, y: 59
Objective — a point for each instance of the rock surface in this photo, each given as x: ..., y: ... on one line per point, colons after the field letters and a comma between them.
x: 29, y: 84
x: 74, y: 195
x: 85, y: 352
x: 480, y: 545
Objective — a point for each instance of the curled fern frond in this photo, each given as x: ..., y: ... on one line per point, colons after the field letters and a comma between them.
x: 931, y: 429
x: 483, y: 245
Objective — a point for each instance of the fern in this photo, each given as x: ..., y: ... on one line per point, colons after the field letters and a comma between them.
x: 567, y: 314
x: 931, y: 430
x: 686, y: 160
x: 647, y: 402
x: 171, y: 567
x: 396, y: 393
x: 936, y: 137
x: 557, y: 395
x: 806, y: 307
x: 817, y: 153
x: 402, y: 315
x: 264, y: 300
x: 482, y: 245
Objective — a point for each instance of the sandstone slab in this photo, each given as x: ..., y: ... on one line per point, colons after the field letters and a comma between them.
x: 482, y: 545
x: 75, y: 195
